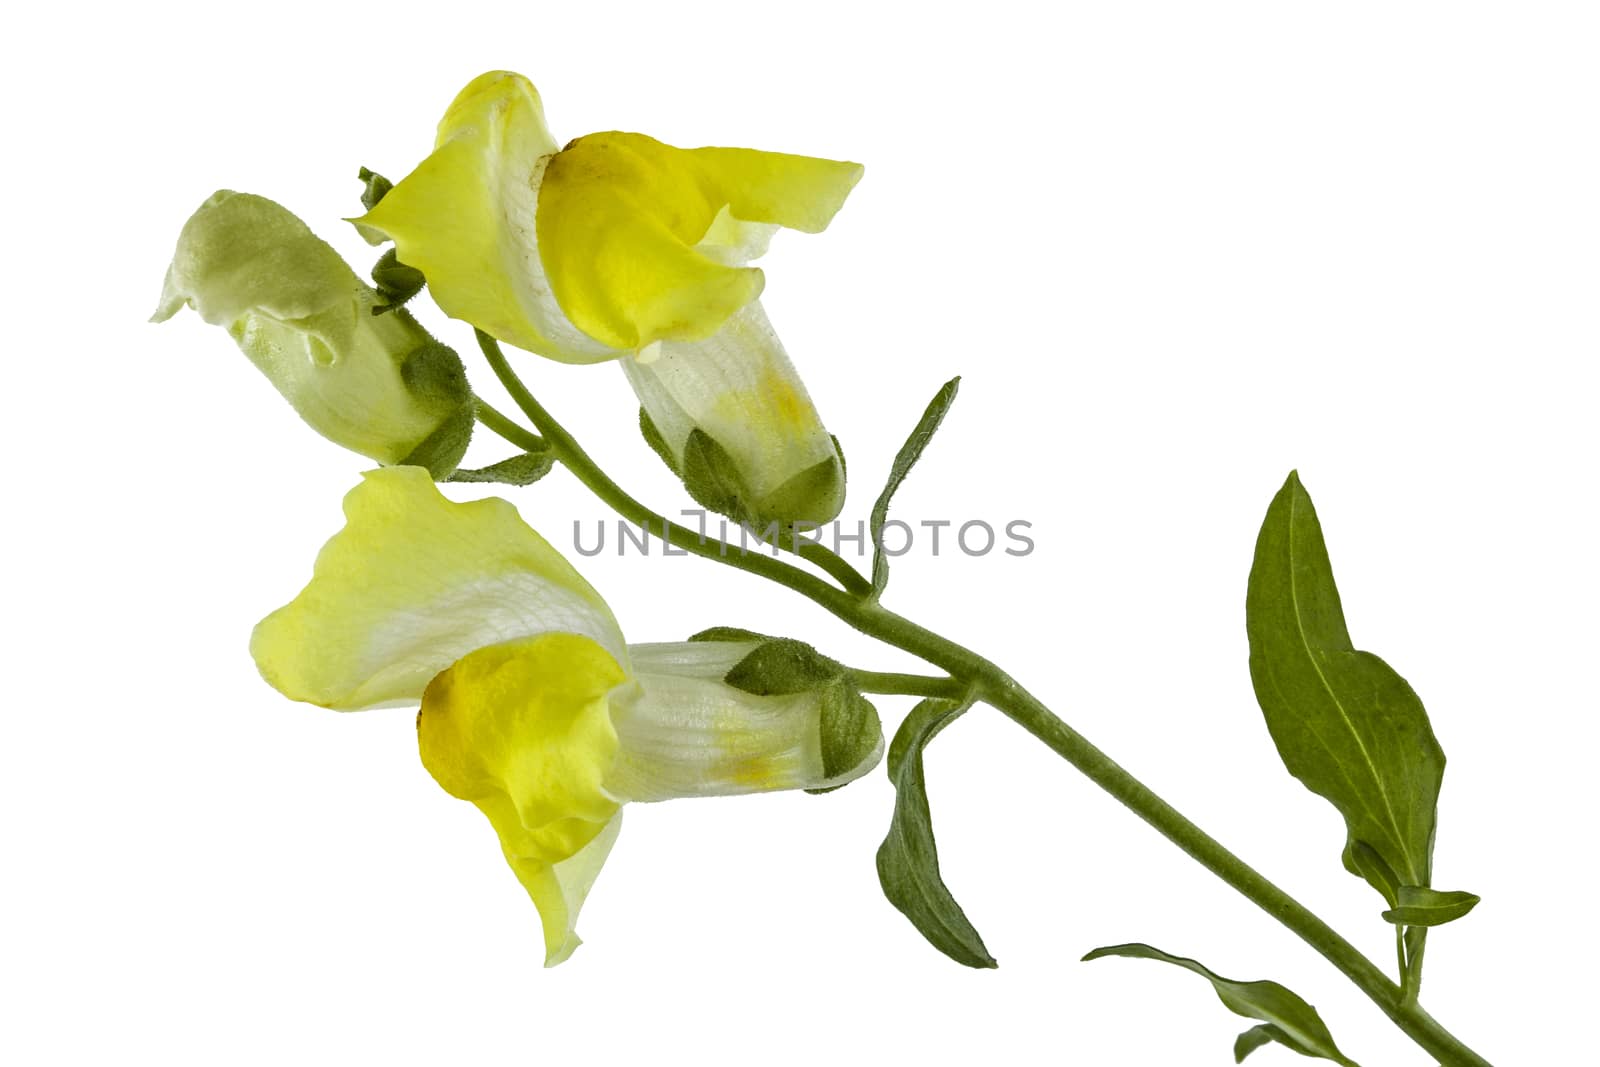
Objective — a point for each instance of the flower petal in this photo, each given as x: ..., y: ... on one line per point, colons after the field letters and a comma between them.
x: 559, y: 891
x: 410, y: 585
x: 796, y: 192
x: 523, y: 730
x: 620, y: 216
x: 739, y: 387
x: 376, y: 384
x: 686, y: 733
x: 465, y: 218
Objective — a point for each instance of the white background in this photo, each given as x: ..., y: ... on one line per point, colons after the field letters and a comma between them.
x: 1175, y: 250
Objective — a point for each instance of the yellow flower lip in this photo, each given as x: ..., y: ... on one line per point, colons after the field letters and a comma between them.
x: 621, y: 215
x: 588, y: 252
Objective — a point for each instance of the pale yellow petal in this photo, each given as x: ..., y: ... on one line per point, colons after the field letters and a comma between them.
x: 410, y: 585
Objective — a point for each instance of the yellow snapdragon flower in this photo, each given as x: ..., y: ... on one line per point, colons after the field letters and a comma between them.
x: 376, y: 384
x: 533, y: 707
x: 620, y: 247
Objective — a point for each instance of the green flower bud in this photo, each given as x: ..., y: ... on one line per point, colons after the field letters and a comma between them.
x: 376, y: 384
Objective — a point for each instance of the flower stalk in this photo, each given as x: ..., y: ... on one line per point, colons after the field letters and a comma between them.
x: 852, y: 602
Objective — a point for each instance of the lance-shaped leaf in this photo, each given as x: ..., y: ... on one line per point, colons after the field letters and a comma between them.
x: 908, y: 861
x: 1285, y: 1016
x: 1418, y: 906
x: 1345, y: 723
x: 904, y: 460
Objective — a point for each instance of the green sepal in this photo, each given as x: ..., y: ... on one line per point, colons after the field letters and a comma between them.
x: 904, y: 460
x: 908, y: 859
x: 713, y: 479
x: 850, y: 730
x: 729, y: 634
x: 657, y: 443
x: 519, y: 470
x: 374, y: 187
x: 782, y: 666
x: 433, y: 371
x: 793, y: 497
x: 397, y: 282
x: 1421, y: 906
x: 1290, y: 1021
x: 1344, y: 722
x: 441, y: 451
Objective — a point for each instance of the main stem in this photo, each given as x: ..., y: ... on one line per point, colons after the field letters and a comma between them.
x: 999, y: 690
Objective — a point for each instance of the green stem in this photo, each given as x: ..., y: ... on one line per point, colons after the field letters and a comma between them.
x: 831, y: 563
x: 970, y: 670
x: 911, y: 685
x: 523, y: 439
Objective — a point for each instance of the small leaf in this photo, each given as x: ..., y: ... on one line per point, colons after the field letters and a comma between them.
x: 1290, y: 1020
x: 1253, y: 1039
x: 712, y: 478
x: 908, y: 860
x: 1362, y: 860
x: 904, y: 460
x: 781, y: 666
x: 1345, y: 723
x: 1419, y: 906
x: 523, y: 469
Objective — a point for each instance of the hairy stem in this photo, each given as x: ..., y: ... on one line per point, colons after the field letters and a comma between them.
x: 971, y: 672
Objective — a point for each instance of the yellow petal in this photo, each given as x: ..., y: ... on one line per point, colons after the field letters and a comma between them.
x: 523, y: 730
x: 465, y: 218
x: 410, y: 585
x: 620, y: 216
x: 558, y: 890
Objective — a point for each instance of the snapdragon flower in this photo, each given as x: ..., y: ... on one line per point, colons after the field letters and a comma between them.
x: 533, y: 707
x: 377, y: 384
x: 620, y: 247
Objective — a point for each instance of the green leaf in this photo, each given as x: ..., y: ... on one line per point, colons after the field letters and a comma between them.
x: 1345, y: 723
x: 1253, y: 1039
x: 657, y: 443
x: 523, y: 469
x: 850, y: 730
x: 712, y: 478
x: 1363, y: 860
x: 1419, y: 906
x: 904, y: 460
x: 908, y: 860
x: 1289, y: 1020
x: 781, y: 666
